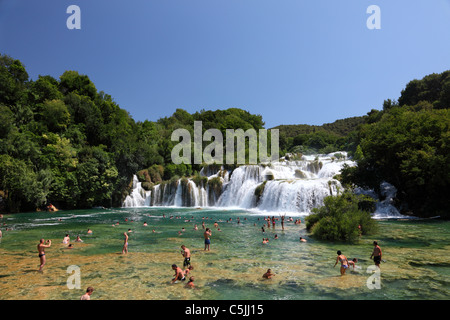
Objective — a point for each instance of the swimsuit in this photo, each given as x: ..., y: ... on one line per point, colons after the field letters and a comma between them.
x: 343, y: 265
x: 40, y: 255
x: 207, y: 241
x: 377, y: 259
x: 181, y: 277
x: 187, y: 261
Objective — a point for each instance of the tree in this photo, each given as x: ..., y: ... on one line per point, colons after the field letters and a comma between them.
x: 358, y: 155
x: 72, y: 81
x: 411, y: 150
x: 342, y: 218
x: 56, y: 115
x: 13, y: 78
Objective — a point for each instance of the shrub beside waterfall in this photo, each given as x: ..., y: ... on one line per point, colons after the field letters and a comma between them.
x: 342, y: 218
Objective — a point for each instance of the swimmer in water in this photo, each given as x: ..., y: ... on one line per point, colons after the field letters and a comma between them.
x: 268, y: 274
x: 66, y: 239
x: 87, y: 295
x: 343, y: 260
x: 190, y: 283
x: 189, y: 269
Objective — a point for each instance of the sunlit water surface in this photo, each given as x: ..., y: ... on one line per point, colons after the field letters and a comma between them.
x: 415, y: 253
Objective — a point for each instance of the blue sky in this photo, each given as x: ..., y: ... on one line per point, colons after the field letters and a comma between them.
x: 292, y: 61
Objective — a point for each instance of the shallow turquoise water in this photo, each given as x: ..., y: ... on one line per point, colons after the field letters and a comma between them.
x: 415, y: 252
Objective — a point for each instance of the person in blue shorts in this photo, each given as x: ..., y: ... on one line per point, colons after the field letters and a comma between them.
x: 207, y: 235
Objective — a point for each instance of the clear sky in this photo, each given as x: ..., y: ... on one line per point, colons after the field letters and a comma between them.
x: 292, y: 61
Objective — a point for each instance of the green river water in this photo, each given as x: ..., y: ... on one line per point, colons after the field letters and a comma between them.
x: 415, y: 253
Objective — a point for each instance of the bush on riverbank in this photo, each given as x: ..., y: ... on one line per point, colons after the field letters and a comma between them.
x: 342, y: 218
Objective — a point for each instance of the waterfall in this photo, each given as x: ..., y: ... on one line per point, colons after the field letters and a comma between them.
x: 284, y: 186
x: 138, y: 197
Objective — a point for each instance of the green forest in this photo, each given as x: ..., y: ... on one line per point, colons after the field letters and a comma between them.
x: 64, y: 142
x: 407, y: 144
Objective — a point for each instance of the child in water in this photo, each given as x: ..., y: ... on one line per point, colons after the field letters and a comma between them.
x: 353, y: 263
x: 190, y: 283
x: 268, y: 274
x: 189, y: 269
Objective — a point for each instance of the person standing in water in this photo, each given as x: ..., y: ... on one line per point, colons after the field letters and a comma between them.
x: 187, y: 256
x: 343, y: 260
x: 41, y: 249
x: 125, y: 244
x: 207, y: 235
x: 376, y: 254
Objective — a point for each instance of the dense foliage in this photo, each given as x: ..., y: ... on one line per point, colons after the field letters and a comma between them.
x: 342, y: 218
x: 65, y: 143
x: 329, y: 137
x: 62, y: 141
x: 408, y: 145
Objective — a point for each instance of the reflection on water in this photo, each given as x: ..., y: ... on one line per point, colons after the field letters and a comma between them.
x: 415, y: 252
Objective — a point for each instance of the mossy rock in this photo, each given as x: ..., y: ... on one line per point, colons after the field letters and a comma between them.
x: 269, y: 176
x: 300, y: 174
x: 147, y: 186
x: 143, y: 176
x: 259, y: 191
x: 215, y: 184
x: 200, y: 181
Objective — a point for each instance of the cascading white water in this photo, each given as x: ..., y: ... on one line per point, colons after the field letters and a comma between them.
x: 240, y: 189
x: 138, y: 197
x: 296, y: 195
x: 293, y: 186
x: 386, y: 208
x: 289, y: 186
